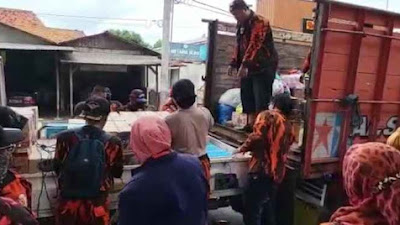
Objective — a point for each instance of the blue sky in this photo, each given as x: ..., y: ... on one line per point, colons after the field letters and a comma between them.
x: 187, y: 19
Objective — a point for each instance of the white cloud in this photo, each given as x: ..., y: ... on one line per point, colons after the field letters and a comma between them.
x: 187, y: 19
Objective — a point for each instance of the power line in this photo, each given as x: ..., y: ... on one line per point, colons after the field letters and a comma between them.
x: 97, y: 17
x: 206, y: 9
x: 131, y: 23
x: 211, y: 6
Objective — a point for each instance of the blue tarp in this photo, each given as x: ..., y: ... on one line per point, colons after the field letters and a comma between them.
x: 214, y: 151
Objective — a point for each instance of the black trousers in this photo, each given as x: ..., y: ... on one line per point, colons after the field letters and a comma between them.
x: 260, y: 201
x: 256, y: 90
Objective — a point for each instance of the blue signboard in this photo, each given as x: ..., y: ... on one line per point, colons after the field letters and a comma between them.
x: 188, y: 52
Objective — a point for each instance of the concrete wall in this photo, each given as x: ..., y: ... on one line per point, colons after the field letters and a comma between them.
x: 287, y: 14
x: 11, y: 35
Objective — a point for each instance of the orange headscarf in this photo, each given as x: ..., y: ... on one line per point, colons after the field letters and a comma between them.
x: 394, y: 139
x: 371, y: 174
x: 150, y: 138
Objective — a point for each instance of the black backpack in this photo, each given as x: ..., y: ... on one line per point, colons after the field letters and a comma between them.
x: 83, y: 171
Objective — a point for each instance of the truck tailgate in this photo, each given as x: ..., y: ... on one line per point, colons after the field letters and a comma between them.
x: 356, y: 50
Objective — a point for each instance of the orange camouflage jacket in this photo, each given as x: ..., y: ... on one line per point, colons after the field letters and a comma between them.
x: 269, y: 144
x: 255, y: 45
x: 11, y: 212
x: 113, y: 148
x: 17, y: 188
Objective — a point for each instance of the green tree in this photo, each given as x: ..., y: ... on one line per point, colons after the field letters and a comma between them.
x: 131, y: 36
x: 158, y: 44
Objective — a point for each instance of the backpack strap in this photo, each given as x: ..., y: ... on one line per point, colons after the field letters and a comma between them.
x: 105, y: 137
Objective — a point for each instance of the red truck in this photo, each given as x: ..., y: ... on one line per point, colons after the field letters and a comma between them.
x: 352, y: 95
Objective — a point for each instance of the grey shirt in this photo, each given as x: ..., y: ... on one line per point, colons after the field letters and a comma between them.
x: 189, y: 129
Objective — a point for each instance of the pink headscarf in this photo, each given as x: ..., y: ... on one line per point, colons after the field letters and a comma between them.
x: 150, y: 138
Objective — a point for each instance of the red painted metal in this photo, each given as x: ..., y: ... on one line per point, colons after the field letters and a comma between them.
x: 381, y: 80
x: 360, y: 101
x: 355, y: 51
x: 351, y: 82
x: 324, y: 13
x: 362, y: 33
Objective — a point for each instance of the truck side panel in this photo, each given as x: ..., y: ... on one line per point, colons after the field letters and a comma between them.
x: 355, y: 52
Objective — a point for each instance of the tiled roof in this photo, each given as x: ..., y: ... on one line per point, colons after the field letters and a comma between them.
x: 28, y: 22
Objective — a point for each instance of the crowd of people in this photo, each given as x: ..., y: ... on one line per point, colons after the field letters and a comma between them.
x: 137, y: 100
x: 177, y: 196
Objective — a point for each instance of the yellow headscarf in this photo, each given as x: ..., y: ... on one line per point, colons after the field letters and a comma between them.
x: 394, y: 139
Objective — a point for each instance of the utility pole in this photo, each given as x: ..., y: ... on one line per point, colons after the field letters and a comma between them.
x: 164, y: 78
x: 3, y: 97
x: 387, y: 4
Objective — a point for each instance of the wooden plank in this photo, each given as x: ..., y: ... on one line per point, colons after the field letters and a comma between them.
x: 342, y: 12
x: 333, y: 85
x: 315, y: 78
x: 383, y: 63
x: 368, y: 64
x: 365, y: 84
x: 335, y: 62
x: 371, y: 46
x: 391, y: 91
x: 375, y: 18
x: 394, y: 59
x: 351, y: 83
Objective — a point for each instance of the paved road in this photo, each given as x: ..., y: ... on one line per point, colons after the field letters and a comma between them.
x: 227, y: 214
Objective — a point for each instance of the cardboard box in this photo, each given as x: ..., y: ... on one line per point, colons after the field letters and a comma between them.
x: 20, y: 162
x: 239, y: 120
x: 299, y: 93
x: 29, y: 131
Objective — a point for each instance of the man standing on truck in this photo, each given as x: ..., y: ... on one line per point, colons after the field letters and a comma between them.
x: 255, y: 59
x: 269, y: 144
x: 86, y: 162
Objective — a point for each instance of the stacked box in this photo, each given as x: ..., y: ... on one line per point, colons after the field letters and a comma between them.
x: 29, y: 131
x: 239, y: 120
x: 20, y: 162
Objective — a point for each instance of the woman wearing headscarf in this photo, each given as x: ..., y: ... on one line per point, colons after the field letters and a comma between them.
x: 371, y: 176
x: 394, y: 139
x: 168, y: 188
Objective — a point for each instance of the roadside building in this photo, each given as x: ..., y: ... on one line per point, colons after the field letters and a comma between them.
x: 107, y: 60
x: 188, y: 61
x: 295, y: 15
x: 58, y: 67
x: 29, y: 50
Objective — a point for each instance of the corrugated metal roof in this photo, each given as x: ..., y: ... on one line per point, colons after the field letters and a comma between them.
x: 109, y: 59
x: 32, y: 47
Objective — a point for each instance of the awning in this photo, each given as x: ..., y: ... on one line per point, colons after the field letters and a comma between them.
x: 32, y: 47
x: 96, y: 58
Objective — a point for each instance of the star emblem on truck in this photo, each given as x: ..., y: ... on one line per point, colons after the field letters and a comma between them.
x: 323, y: 132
